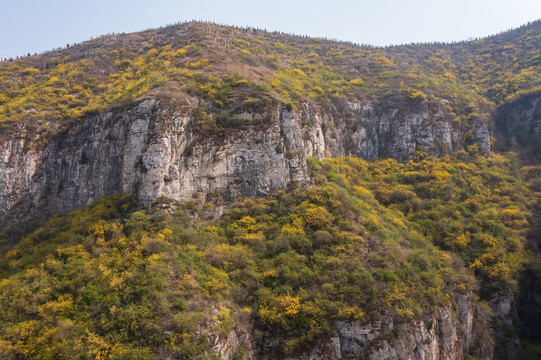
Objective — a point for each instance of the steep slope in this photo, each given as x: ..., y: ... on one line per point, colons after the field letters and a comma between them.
x: 190, y: 108
x: 343, y: 269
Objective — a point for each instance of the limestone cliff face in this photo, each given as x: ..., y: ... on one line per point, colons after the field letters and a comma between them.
x: 450, y: 333
x: 507, y: 343
x: 151, y: 149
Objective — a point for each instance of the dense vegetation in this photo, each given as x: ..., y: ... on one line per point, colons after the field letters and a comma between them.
x: 112, y: 281
x: 234, y: 70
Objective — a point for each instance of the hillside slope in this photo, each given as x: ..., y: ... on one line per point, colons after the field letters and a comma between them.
x: 347, y: 268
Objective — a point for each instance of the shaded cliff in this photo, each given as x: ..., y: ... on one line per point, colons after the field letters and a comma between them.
x: 518, y: 125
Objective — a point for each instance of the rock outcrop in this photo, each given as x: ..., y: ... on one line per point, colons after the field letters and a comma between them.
x: 507, y: 342
x: 152, y: 149
x: 450, y: 333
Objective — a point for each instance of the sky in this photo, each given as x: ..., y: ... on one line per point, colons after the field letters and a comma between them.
x: 35, y: 26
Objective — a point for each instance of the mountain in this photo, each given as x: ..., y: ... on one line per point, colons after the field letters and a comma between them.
x: 248, y: 226
x: 187, y: 109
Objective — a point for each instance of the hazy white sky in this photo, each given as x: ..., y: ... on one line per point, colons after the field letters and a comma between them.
x: 29, y: 26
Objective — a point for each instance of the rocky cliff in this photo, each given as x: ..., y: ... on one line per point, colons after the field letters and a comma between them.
x: 152, y: 149
x: 518, y: 123
x: 449, y: 333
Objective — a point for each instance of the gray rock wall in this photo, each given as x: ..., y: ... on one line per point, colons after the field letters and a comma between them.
x: 450, y: 333
x: 150, y: 149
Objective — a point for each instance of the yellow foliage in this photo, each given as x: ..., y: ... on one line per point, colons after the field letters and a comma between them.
x: 56, y: 307
x: 449, y: 75
x: 294, y: 229
x: 165, y: 234
x: 218, y: 283
x: 317, y: 216
x: 223, y: 313
x: 487, y: 240
x: 180, y: 52
x: 196, y: 64
x: 405, y: 312
x: 499, y: 271
x: 152, y: 52
x: 350, y: 312
x: 154, y: 259
x: 298, y: 72
x: 290, y: 305
x: 241, y: 42
x: 273, y: 273
x: 246, y: 310
x: 417, y: 95
x: 280, y: 309
x: 514, y: 218
x: 371, y: 222
x: 280, y: 46
x: 115, y: 282
x: 246, y: 223
x: 30, y: 71
x: 441, y: 176
x: 188, y: 282
x: 482, y: 261
x: 98, y: 232
x: 211, y: 230
x: 462, y: 240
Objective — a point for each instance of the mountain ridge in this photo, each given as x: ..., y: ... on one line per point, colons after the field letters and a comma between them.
x: 219, y: 37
